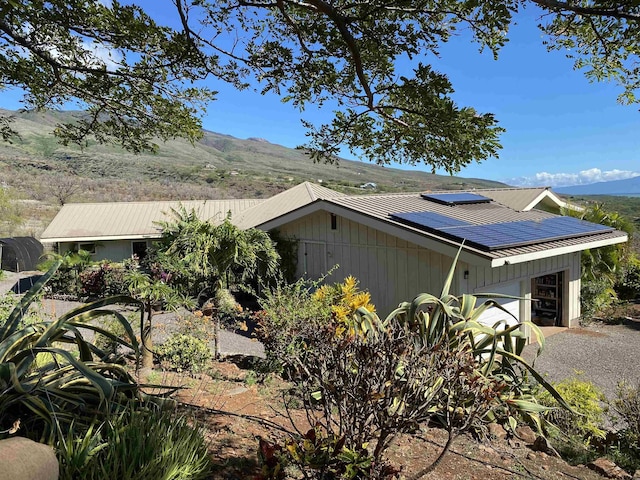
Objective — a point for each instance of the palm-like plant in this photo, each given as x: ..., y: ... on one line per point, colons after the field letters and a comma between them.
x: 50, y: 375
x: 209, y: 256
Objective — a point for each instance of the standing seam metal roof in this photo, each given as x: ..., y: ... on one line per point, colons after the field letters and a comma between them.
x: 96, y: 220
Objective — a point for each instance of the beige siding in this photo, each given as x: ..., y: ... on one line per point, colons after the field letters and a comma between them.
x: 394, y: 270
x: 391, y: 269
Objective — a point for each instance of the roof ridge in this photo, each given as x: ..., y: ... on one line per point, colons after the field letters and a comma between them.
x: 310, y: 191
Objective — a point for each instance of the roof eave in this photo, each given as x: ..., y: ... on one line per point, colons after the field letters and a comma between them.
x: 98, y: 238
x: 552, y: 252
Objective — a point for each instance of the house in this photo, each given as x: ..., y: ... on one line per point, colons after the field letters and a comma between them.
x: 116, y: 231
x: 397, y: 245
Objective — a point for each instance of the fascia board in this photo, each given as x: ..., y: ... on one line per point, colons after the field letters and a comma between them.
x: 527, y: 257
x: 99, y: 238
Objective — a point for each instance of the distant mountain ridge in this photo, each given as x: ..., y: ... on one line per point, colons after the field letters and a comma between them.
x: 628, y: 186
x: 213, y: 159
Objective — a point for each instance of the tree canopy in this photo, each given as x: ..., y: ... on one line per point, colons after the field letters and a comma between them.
x: 139, y: 80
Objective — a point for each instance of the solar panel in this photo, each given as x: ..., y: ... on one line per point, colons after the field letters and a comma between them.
x: 515, y: 234
x: 462, y: 198
x: 429, y: 220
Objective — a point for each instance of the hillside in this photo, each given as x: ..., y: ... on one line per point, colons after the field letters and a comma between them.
x: 44, y: 174
x: 628, y: 187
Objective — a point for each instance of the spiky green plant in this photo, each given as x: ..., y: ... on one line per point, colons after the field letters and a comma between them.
x: 50, y: 375
x: 497, y: 348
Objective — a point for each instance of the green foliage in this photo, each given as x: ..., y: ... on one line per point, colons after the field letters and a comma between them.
x: 343, y: 54
x: 110, y: 344
x: 185, y: 353
x: 137, y: 445
x: 319, y: 456
x: 601, y: 267
x: 585, y: 399
x: 595, y: 296
x: 50, y: 376
x: 140, y: 93
x: 367, y: 379
x: 627, y: 406
x: 206, y: 257
x: 10, y: 217
x: 288, y: 310
x: 628, y: 285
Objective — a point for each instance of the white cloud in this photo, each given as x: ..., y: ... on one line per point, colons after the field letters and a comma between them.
x: 583, y: 177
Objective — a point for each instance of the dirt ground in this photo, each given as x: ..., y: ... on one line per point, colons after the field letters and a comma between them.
x: 236, y: 413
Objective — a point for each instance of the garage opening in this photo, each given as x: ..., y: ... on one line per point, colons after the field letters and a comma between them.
x: 546, y: 295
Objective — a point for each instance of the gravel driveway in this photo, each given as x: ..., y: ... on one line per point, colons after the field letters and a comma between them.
x: 604, y: 354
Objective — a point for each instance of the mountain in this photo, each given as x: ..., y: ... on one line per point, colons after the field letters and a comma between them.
x: 44, y: 174
x: 628, y: 187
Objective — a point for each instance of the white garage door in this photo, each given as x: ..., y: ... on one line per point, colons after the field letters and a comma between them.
x: 493, y: 315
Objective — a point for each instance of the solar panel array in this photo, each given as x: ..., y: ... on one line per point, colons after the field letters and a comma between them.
x: 430, y: 220
x: 502, y: 235
x: 463, y: 198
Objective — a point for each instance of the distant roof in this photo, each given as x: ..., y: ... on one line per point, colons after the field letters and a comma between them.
x: 130, y: 220
x: 522, y: 199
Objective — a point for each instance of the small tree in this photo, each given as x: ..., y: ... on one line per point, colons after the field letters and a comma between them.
x: 151, y: 291
x: 205, y: 257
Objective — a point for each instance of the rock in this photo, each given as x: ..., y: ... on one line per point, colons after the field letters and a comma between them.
x: 607, y: 468
x: 526, y: 434
x: 541, y: 444
x: 24, y: 459
x: 531, y: 456
x: 497, y: 431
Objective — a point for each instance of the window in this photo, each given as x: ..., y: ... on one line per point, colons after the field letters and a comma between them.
x: 88, y: 247
x: 139, y: 249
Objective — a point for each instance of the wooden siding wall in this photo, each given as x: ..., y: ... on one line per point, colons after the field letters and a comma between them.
x: 394, y: 270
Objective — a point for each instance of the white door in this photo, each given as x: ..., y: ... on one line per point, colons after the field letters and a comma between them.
x: 512, y: 305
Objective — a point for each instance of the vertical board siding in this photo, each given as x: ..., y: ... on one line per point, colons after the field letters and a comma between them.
x: 394, y: 270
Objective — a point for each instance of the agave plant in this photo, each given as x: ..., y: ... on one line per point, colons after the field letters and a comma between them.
x: 50, y: 375
x: 497, y: 348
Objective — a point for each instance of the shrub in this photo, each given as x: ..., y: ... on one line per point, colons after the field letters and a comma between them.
x: 627, y: 406
x: 288, y: 311
x: 110, y: 344
x: 595, y: 295
x: 136, y: 445
x: 185, y: 353
x: 366, y: 380
x: 585, y: 399
x: 628, y: 285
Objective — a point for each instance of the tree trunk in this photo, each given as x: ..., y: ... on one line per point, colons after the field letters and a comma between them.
x: 146, y: 340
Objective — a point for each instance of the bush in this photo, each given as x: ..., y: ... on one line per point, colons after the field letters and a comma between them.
x: 288, y: 311
x: 185, y: 353
x: 583, y: 397
x: 595, y: 295
x: 136, y: 445
x: 110, y: 345
x: 627, y: 406
x: 628, y: 285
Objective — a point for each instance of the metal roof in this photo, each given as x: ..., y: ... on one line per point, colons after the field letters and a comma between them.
x: 96, y: 221
x: 381, y: 206
x: 285, y: 202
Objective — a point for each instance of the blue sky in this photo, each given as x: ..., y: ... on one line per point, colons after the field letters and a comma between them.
x: 560, y: 129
